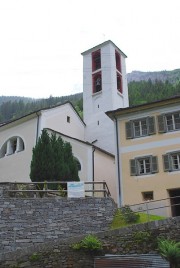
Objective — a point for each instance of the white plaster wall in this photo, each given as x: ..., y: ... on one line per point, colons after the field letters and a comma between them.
x: 105, y: 171
x: 95, y: 105
x: 16, y: 167
x: 103, y: 133
x: 56, y: 119
x: 83, y: 153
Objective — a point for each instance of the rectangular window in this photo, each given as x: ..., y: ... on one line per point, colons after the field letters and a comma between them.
x: 97, y: 84
x: 147, y: 196
x: 68, y: 119
x: 169, y: 122
x: 144, y: 165
x: 175, y: 161
x: 118, y: 61
x: 140, y: 127
x: 171, y: 161
x: 119, y: 83
x: 96, y: 60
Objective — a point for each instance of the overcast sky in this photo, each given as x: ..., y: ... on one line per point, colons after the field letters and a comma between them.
x: 41, y: 41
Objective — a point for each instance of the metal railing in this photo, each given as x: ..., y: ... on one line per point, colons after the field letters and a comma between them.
x: 95, y: 189
x: 167, y: 207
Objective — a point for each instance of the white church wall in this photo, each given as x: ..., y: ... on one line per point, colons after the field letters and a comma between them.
x: 99, y: 127
x: 105, y: 171
x: 83, y: 153
x: 63, y: 119
x: 16, y: 167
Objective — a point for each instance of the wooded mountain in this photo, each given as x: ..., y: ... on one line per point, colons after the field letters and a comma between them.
x: 143, y: 87
x: 172, y: 77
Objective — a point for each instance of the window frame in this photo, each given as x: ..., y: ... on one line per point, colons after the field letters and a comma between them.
x: 79, y: 166
x: 163, y: 126
x: 119, y: 83
x: 135, y: 168
x: 12, y: 146
x: 94, y: 77
x: 118, y: 61
x: 130, y: 128
x: 68, y: 119
x: 147, y: 193
x: 96, y: 57
x: 169, y: 162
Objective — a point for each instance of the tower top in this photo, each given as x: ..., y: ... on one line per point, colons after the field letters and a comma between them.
x: 102, y: 45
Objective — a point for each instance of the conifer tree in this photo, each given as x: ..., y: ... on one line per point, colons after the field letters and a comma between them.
x: 53, y: 160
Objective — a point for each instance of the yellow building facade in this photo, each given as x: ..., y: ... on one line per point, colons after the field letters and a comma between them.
x: 148, y: 154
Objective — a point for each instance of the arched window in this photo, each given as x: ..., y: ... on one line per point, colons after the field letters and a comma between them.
x: 78, y: 164
x: 11, y: 146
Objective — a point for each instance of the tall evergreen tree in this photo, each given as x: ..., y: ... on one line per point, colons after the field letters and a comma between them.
x: 53, y: 160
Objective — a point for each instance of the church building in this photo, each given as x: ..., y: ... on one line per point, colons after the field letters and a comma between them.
x: 92, y: 139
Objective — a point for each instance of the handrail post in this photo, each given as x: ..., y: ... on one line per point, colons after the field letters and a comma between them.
x: 104, y: 188
x: 147, y: 210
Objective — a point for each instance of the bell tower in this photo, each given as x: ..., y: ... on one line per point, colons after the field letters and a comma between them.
x: 104, y: 89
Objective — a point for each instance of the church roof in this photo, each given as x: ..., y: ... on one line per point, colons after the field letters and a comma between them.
x: 145, y: 106
x: 81, y: 141
x: 37, y: 112
x: 102, y: 45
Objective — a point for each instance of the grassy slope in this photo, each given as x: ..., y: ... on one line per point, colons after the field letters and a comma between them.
x: 118, y: 221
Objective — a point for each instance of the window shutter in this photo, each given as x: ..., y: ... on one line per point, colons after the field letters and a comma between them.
x: 167, y: 163
x: 154, y: 163
x: 161, y: 124
x: 151, y: 124
x: 133, y: 167
x: 129, y: 131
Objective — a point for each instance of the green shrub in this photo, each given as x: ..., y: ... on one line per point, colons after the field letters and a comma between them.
x: 129, y: 215
x: 90, y: 242
x: 61, y: 191
x: 170, y: 251
x: 142, y: 236
x: 34, y: 257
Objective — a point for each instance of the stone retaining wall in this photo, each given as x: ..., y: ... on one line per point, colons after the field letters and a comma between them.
x: 59, y: 254
x: 28, y: 221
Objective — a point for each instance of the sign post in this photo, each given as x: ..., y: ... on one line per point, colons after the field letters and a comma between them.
x: 75, y: 189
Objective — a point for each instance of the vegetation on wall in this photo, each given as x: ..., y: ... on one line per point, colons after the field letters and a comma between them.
x: 52, y: 160
x: 119, y: 220
x: 170, y: 251
x: 90, y: 242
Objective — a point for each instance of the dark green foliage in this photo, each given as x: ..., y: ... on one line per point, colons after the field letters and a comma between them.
x: 172, y: 76
x: 52, y: 160
x: 142, y: 236
x: 143, y: 87
x: 14, y: 107
x: 170, y: 251
x: 148, y: 91
x: 34, y: 257
x: 129, y: 215
x: 90, y: 242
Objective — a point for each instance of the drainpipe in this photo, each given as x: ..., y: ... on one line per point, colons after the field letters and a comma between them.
x: 93, y: 150
x: 37, y: 128
x: 118, y: 164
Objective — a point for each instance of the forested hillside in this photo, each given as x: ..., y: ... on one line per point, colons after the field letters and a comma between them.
x: 142, y: 89
x: 147, y: 91
x: 172, y: 76
x: 15, y: 107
